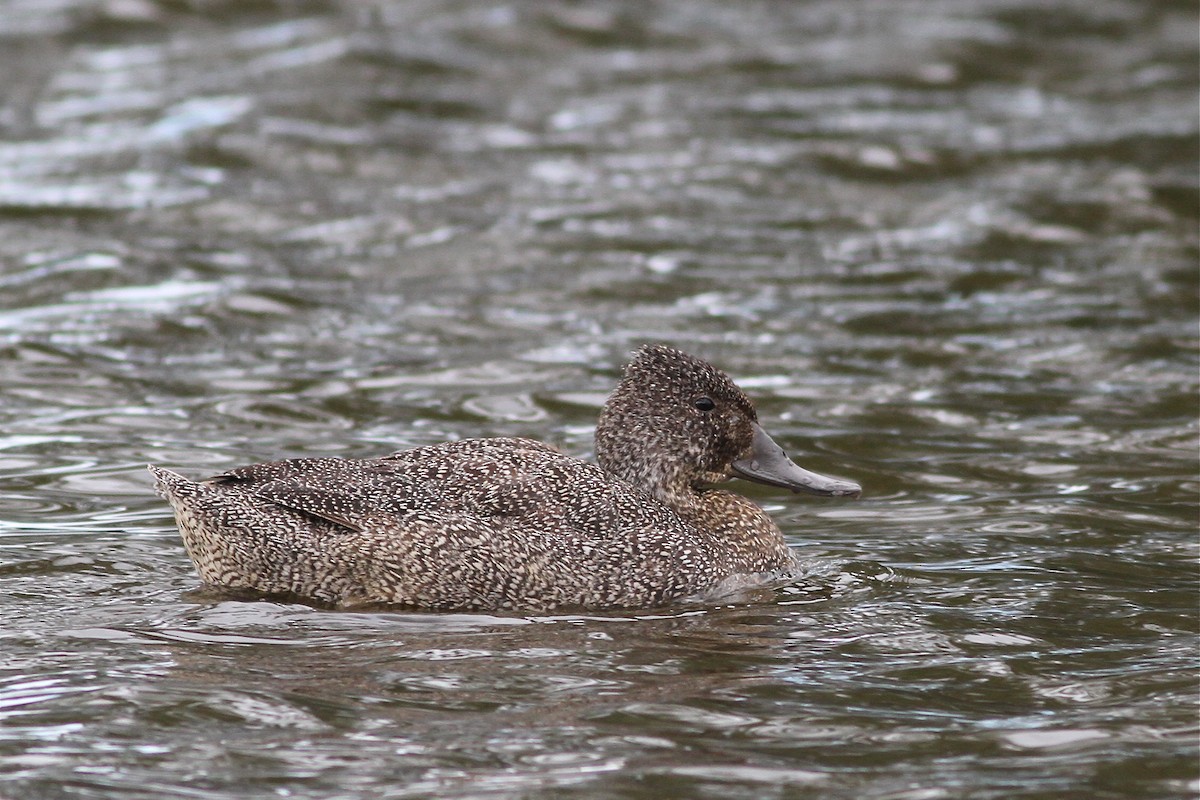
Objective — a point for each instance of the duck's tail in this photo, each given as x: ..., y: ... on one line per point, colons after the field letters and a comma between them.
x: 240, y: 541
x: 171, y: 485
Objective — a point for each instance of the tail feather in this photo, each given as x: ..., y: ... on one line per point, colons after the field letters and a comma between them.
x: 170, y: 485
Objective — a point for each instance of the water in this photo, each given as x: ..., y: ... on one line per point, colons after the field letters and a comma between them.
x: 951, y: 249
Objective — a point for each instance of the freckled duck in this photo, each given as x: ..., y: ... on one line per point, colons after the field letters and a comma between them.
x: 512, y: 523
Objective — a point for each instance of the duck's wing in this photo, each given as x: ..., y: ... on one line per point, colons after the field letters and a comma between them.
x: 478, y: 477
x: 341, y: 491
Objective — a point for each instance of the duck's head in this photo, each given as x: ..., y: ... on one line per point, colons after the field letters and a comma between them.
x: 676, y: 423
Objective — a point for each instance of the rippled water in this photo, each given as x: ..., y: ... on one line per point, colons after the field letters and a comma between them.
x: 950, y: 247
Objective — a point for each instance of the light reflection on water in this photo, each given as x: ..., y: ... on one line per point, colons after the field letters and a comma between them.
x: 954, y: 258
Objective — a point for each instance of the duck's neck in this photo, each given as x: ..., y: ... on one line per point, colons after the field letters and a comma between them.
x: 660, y: 477
x: 735, y: 526
x: 749, y: 538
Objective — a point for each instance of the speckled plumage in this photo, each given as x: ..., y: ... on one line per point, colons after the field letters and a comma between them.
x: 504, y: 523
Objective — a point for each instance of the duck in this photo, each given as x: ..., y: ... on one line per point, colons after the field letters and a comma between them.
x: 513, y: 524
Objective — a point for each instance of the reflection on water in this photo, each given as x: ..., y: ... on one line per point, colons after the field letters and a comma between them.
x: 953, y: 255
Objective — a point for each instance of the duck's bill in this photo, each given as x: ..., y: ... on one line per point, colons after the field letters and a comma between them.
x: 767, y: 463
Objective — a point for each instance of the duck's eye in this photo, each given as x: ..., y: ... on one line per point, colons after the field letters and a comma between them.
x: 704, y: 403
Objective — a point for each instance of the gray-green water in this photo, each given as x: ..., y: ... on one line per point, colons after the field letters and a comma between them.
x: 950, y: 247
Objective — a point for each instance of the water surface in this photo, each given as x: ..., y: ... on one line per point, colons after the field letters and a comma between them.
x: 950, y: 248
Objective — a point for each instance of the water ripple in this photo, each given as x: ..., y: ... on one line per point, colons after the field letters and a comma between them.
x: 945, y: 260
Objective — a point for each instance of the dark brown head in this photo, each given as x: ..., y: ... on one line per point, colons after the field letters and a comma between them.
x: 676, y: 423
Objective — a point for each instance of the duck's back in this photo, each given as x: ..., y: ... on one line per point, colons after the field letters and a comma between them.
x: 482, y: 523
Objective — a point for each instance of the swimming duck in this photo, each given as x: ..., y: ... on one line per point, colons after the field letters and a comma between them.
x: 511, y: 523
